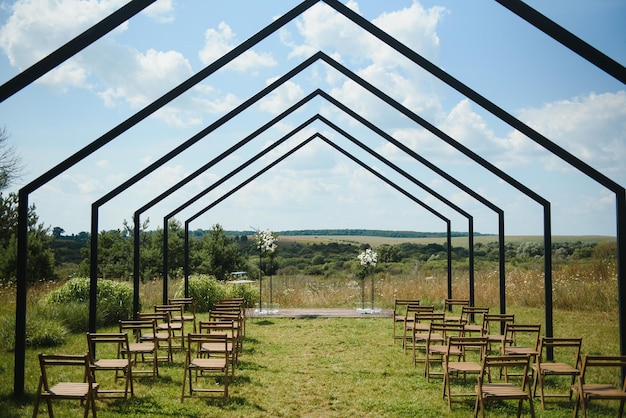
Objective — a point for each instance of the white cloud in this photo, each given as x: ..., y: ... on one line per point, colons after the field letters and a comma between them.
x: 161, y: 11
x: 321, y: 28
x: 285, y: 96
x: 38, y: 27
x: 219, y: 42
x: 415, y: 27
x: 591, y: 127
x: 142, y: 76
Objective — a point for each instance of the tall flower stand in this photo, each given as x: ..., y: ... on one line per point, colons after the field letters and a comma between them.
x: 367, y: 307
x: 265, y: 308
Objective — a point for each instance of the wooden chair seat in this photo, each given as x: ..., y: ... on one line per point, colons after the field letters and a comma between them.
x: 613, y: 391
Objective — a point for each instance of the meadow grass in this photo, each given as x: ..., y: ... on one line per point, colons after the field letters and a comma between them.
x: 341, y: 367
x: 332, y: 367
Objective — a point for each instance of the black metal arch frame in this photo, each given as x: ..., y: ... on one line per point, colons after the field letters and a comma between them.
x: 135, y: 6
x: 266, y: 126
x: 280, y: 141
x: 289, y: 153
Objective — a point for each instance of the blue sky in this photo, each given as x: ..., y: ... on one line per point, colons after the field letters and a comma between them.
x: 480, y: 43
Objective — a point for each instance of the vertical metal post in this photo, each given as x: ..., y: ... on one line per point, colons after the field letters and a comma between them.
x: 165, y: 257
x: 449, y: 244
x: 471, y: 261
x: 20, y: 302
x: 620, y: 198
x: 502, y: 265
x: 186, y: 263
x: 547, y: 259
x: 93, y: 269
x: 260, y: 282
x: 136, y: 237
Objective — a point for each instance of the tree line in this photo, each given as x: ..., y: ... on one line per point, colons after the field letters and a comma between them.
x: 217, y: 252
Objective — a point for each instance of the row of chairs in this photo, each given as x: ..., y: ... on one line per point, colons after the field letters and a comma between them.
x: 211, y: 352
x: 469, y: 345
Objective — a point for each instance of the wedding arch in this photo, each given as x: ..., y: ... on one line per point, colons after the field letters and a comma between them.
x: 68, y: 50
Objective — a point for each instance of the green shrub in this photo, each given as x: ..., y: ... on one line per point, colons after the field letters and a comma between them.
x: 206, y: 291
x: 70, y: 303
x: 45, y: 332
x: 248, y: 292
x: 41, y: 331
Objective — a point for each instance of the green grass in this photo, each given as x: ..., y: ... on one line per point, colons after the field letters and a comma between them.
x: 333, y: 367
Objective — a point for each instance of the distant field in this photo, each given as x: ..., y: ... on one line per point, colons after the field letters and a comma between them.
x: 456, y: 241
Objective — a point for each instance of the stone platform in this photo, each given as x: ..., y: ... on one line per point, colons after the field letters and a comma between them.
x: 320, y: 313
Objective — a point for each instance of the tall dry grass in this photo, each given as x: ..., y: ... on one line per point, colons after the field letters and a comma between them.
x: 575, y: 286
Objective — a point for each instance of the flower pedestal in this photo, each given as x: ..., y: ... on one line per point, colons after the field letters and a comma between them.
x: 266, y: 308
x: 368, y: 308
x: 367, y: 259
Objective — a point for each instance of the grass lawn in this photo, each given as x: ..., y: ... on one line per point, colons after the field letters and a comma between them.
x: 324, y: 367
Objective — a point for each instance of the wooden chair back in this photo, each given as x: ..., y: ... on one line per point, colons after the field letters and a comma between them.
x: 449, y: 306
x: 189, y: 310
x: 436, y: 344
x: 493, y: 328
x: 521, y: 339
x: 163, y: 335
x: 472, y: 317
x: 398, y: 316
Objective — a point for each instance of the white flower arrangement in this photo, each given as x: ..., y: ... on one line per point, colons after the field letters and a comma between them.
x: 368, y: 258
x: 266, y: 241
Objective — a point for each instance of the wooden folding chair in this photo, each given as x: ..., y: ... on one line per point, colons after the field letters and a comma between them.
x: 521, y: 339
x: 235, y: 316
x: 493, y: 329
x: 54, y: 384
x: 163, y: 335
x: 399, y: 310
x: 228, y: 329
x: 448, y: 309
x: 105, y: 354
x: 586, y: 390
x: 411, y: 325
x: 140, y: 348
x: 176, y: 328
x: 503, y: 391
x: 214, y: 365
x: 420, y: 332
x: 233, y: 305
x: 566, y: 363
x: 189, y: 311
x: 472, y: 317
x: 437, y: 347
x: 456, y: 362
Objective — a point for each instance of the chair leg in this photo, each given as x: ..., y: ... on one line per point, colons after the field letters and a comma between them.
x: 37, y: 399
x: 182, y: 396
x: 576, y: 404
